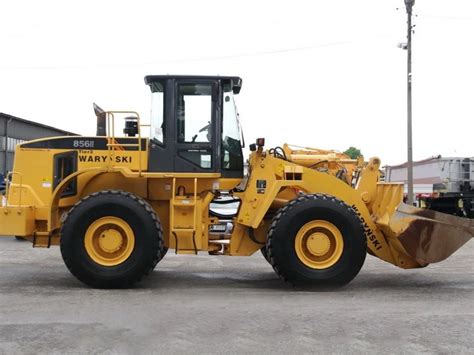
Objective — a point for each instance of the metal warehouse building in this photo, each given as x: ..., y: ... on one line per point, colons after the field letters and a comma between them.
x: 15, y: 130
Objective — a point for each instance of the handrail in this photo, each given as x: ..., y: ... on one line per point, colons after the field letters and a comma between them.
x: 122, y: 145
x: 195, y: 204
x: 111, y: 142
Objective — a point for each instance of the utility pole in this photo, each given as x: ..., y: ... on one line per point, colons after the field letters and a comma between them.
x: 409, y: 6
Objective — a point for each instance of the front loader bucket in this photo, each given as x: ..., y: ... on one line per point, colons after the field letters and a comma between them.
x: 417, y: 237
x: 429, y: 236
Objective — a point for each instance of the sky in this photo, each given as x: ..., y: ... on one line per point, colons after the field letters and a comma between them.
x: 324, y: 74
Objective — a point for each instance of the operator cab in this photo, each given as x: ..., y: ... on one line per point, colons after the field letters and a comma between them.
x: 194, y: 125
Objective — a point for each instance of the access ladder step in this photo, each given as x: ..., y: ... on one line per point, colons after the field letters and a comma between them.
x: 176, y: 240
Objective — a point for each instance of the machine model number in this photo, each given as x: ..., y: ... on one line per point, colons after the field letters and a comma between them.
x: 79, y: 143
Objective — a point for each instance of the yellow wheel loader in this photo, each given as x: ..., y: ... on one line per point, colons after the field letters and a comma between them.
x: 115, y: 204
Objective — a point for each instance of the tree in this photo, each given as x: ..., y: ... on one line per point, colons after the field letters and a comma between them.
x: 353, y: 152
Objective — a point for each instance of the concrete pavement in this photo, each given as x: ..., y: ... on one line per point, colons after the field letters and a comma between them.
x: 211, y: 304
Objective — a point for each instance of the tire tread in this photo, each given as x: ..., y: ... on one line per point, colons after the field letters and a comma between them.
x: 282, y: 274
x: 137, y: 277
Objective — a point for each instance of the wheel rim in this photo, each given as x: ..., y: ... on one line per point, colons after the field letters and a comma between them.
x: 319, y: 244
x: 109, y: 241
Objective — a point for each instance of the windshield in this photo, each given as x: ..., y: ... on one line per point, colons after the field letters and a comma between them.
x: 231, y: 144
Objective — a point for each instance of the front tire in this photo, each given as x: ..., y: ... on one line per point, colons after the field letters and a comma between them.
x: 316, y: 240
x: 111, y: 239
x: 263, y: 250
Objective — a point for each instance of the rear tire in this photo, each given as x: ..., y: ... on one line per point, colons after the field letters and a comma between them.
x: 316, y: 240
x: 111, y: 239
x: 163, y: 253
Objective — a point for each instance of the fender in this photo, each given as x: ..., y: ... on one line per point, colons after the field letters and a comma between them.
x: 53, y: 218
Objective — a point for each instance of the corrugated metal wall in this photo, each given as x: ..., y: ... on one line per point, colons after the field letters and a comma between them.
x: 20, y: 130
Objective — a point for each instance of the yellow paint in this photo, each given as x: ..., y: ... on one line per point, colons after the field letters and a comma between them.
x: 331, y: 161
x: 319, y: 244
x: 17, y: 220
x: 35, y: 208
x: 109, y: 241
x: 255, y: 205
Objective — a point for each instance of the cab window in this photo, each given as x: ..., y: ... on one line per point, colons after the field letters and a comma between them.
x: 194, y: 123
x: 194, y: 112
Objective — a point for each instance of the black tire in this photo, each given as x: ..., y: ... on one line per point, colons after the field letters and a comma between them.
x: 263, y: 250
x: 140, y: 217
x: 163, y: 253
x: 292, y: 217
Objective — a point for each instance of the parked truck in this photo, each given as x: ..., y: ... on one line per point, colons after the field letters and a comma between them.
x: 444, y: 184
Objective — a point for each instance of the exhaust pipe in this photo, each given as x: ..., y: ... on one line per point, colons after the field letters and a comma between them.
x: 101, y: 120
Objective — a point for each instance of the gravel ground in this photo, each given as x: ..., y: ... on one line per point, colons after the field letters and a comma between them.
x: 204, y: 304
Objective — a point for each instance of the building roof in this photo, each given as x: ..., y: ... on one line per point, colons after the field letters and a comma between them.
x: 37, y: 124
x: 428, y: 161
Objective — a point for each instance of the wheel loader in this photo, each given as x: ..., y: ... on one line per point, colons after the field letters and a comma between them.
x: 116, y: 203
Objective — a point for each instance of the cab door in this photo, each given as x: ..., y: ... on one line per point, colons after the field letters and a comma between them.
x: 197, y: 126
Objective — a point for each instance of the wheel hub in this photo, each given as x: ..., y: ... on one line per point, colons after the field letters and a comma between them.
x: 109, y: 241
x: 318, y: 244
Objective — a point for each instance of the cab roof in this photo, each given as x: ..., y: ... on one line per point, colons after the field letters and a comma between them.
x: 234, y: 81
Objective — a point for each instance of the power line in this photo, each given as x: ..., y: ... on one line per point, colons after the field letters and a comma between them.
x: 444, y: 17
x: 190, y: 60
